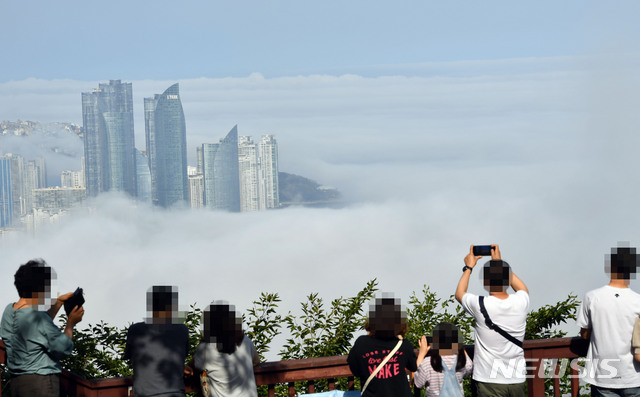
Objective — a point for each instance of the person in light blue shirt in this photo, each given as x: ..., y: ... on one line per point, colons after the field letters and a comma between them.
x: 34, y: 344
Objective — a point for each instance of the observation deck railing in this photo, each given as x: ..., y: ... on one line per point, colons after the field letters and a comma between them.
x: 310, y: 370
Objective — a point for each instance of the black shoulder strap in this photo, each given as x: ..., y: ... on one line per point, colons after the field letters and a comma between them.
x: 494, y: 327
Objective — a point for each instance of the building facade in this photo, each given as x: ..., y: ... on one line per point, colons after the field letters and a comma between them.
x: 6, y: 203
x: 109, y: 157
x: 248, y: 169
x: 166, y: 138
x: 143, y: 177
x: 269, y: 191
x: 220, y: 170
x: 58, y: 199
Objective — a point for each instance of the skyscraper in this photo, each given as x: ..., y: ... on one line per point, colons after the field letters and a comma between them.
x: 143, y: 177
x: 248, y: 169
x: 269, y: 191
x: 32, y: 179
x: 166, y: 136
x: 107, y: 117
x: 17, y: 185
x: 196, y: 186
x: 221, y: 179
x: 6, y: 204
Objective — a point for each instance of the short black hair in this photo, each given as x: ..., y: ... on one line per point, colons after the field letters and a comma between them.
x: 162, y: 298
x: 496, y: 274
x: 622, y: 263
x: 33, y: 277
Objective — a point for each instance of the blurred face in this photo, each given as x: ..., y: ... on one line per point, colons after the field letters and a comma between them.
x: 496, y: 275
x: 446, y: 339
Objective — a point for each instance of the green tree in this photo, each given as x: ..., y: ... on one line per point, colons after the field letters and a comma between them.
x: 318, y: 332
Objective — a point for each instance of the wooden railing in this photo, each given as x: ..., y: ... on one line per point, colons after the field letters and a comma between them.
x: 311, y: 370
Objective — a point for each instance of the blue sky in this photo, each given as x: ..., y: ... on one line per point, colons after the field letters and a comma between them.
x: 442, y: 123
x: 158, y: 40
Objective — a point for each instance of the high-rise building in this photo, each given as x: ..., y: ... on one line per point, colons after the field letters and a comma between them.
x: 196, y: 187
x: 143, y: 177
x: 58, y: 199
x: 221, y: 180
x: 269, y: 191
x: 166, y: 137
x: 6, y: 203
x: 32, y: 179
x: 70, y: 178
x: 248, y: 170
x: 17, y: 185
x: 107, y: 117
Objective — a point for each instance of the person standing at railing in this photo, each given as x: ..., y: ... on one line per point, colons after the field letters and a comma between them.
x: 35, y: 345
x: 158, y: 347
x: 499, y: 367
x: 442, y: 373
x: 387, y: 320
x: 226, y: 356
x: 606, y: 318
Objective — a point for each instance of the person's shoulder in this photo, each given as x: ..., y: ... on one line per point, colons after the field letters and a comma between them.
x: 8, y: 308
x: 468, y: 296
x: 520, y: 294
x: 597, y: 291
x: 137, y: 328
x: 407, y: 344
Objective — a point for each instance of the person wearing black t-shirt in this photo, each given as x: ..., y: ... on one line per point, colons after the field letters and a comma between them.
x: 386, y: 321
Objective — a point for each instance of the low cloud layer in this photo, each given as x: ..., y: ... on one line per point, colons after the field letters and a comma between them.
x: 538, y: 159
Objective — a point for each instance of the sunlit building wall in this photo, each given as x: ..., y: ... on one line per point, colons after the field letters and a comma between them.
x: 268, y: 176
x: 70, y: 178
x: 57, y: 199
x: 248, y: 170
x: 196, y: 187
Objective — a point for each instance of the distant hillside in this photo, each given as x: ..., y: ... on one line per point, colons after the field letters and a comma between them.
x: 298, y: 190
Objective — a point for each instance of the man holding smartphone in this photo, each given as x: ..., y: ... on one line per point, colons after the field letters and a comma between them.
x: 499, y: 367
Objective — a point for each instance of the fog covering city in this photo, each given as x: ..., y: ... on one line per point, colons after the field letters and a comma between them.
x: 539, y: 155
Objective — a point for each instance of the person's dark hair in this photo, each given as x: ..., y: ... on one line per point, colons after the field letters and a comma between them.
x: 162, y: 298
x: 387, y: 319
x: 496, y: 275
x: 222, y: 327
x: 33, y: 277
x: 622, y: 263
x: 445, y: 335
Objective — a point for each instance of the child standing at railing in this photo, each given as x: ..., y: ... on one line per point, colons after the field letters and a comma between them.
x: 447, y: 366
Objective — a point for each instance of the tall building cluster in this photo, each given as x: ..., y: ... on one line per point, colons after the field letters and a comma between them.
x: 235, y: 174
x: 24, y: 195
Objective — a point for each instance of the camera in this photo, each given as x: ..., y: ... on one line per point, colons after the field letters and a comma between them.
x: 76, y: 300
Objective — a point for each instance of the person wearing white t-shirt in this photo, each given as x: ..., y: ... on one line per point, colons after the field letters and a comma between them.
x: 606, y: 318
x: 499, y: 367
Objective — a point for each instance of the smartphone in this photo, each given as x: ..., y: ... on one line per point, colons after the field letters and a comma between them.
x: 482, y: 250
x: 76, y: 300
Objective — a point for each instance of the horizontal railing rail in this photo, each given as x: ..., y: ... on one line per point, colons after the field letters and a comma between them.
x: 330, y: 369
